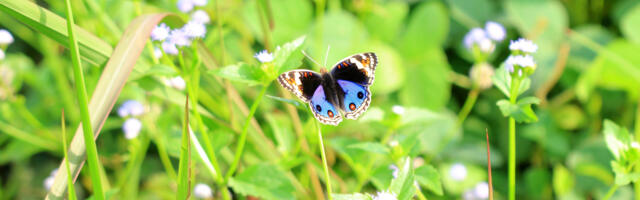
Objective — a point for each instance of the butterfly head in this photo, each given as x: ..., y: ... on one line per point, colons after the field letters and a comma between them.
x: 323, y: 70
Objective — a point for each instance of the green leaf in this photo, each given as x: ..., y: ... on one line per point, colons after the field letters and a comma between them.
x: 386, y: 19
x: 427, y: 28
x: 288, y: 25
x: 241, y: 72
x: 521, y: 111
x: 263, y: 181
x: 429, y: 86
x: 403, y: 184
x: 618, y: 140
x: 289, y: 101
x: 288, y: 56
x: 502, y: 80
x: 92, y: 48
x: 629, y: 24
x: 355, y: 196
x: 429, y: 178
x: 372, y: 147
x: 563, y: 180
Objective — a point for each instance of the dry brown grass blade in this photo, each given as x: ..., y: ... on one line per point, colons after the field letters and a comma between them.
x: 111, y: 81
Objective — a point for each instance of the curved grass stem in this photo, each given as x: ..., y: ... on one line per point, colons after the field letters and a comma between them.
x: 324, y: 161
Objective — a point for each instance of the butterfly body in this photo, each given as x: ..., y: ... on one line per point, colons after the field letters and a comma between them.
x: 345, y: 89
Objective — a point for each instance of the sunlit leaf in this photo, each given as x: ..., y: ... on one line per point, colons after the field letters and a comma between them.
x: 403, y: 184
x: 264, y: 181
x: 429, y: 178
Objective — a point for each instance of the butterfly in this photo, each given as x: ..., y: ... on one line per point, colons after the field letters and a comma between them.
x: 344, y: 89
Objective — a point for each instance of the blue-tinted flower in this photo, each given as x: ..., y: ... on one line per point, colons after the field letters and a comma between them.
x: 394, y: 170
x: 481, y: 190
x: 473, y: 36
x: 169, y: 48
x: 160, y: 33
x: 458, y: 172
x: 185, y: 5
x: 385, y: 195
x: 130, y: 108
x: 200, y: 16
x: 131, y: 128
x: 157, y: 52
x: 486, y: 45
x: 194, y: 30
x: 495, y: 31
x: 202, y: 191
x: 179, y: 37
x: 523, y: 45
x: 176, y: 82
x: 519, y: 60
x: 5, y: 37
x: 264, y: 56
x: 48, y: 182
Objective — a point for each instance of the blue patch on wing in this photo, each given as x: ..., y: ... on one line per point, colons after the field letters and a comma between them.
x: 354, y: 95
x: 322, y: 107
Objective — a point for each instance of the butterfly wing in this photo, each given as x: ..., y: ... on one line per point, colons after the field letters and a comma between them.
x: 307, y: 85
x: 302, y: 83
x: 354, y: 75
x: 322, y: 109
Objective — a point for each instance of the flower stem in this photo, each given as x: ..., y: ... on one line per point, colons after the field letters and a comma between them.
x: 324, y: 161
x: 611, y: 191
x: 468, y: 105
x: 81, y: 91
x: 636, y: 185
x: 515, y: 89
x: 243, y: 134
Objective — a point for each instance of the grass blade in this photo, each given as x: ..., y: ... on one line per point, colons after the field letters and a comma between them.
x: 81, y: 93
x: 106, y: 93
x: 92, y: 48
x: 184, y: 169
x: 71, y: 190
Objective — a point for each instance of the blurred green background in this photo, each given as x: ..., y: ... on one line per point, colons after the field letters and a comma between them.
x: 588, y: 70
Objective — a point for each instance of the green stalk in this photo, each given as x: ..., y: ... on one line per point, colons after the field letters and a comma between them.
x: 611, y: 191
x: 468, y: 105
x: 92, y: 151
x: 515, y: 86
x: 184, y: 170
x: 324, y: 161
x: 71, y: 190
x: 636, y: 185
x: 243, y: 134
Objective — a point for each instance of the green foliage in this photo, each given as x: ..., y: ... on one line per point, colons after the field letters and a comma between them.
x: 264, y: 181
x: 626, y: 156
x: 521, y: 110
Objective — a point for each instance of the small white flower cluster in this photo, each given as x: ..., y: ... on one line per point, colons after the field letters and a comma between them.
x: 479, y: 192
x: 5, y: 39
x: 385, y: 195
x: 398, y: 109
x: 458, y: 172
x: 485, y: 38
x: 131, y: 109
x: 264, y: 56
x: 180, y: 37
x: 48, y: 182
x: 202, y: 191
x: 175, y: 82
x: 520, y: 60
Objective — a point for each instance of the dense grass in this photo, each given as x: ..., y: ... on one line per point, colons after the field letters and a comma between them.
x: 566, y: 127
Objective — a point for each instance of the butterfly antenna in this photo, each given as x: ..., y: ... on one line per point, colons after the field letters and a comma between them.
x: 326, y: 55
x: 310, y: 58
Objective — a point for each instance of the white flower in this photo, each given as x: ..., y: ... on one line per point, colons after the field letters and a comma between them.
x: 398, y: 109
x: 635, y: 145
x: 474, y: 36
x: 199, y: 2
x: 53, y: 172
x: 194, y: 29
x: 264, y: 56
x: 469, y: 195
x: 169, y: 48
x: 486, y: 45
x: 176, y: 82
x: 161, y: 32
x: 394, y: 170
x: 495, y: 31
x: 202, y: 191
x: 185, y: 5
x: 385, y: 195
x: 179, y: 37
x: 130, y: 107
x: 48, y: 182
x: 523, y: 45
x: 200, y: 16
x: 5, y: 37
x: 393, y: 143
x: 458, y: 172
x: 481, y: 191
x: 157, y: 52
x: 131, y: 128
x: 519, y: 60
x: 1, y: 54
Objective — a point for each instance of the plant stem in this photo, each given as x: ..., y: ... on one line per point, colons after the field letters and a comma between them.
x: 468, y: 105
x: 324, y: 161
x: 71, y: 190
x: 611, y: 191
x: 515, y: 89
x: 243, y: 134
x: 636, y: 185
x: 92, y: 151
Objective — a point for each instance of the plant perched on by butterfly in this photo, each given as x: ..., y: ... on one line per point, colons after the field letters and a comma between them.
x: 513, y: 80
x: 626, y: 155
